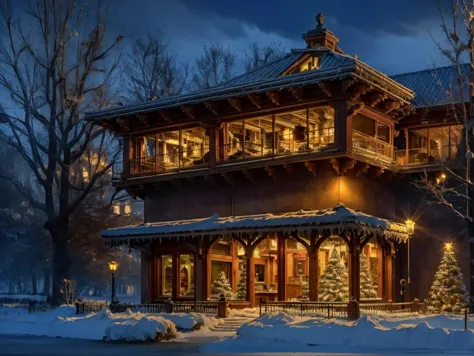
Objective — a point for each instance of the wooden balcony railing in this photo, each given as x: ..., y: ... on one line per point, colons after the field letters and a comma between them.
x: 372, y: 147
x: 421, y: 156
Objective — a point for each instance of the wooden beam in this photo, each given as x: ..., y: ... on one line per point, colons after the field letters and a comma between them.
x: 144, y: 119
x: 390, y: 106
x: 346, y: 84
x: 212, y: 106
x: 297, y: 93
x: 326, y: 88
x: 274, y: 96
x: 236, y: 104
x: 360, y: 90
x: 124, y: 123
x: 377, y: 97
x: 342, y: 165
x: 312, y: 167
x: 164, y: 115
x: 355, y: 108
x: 376, y: 171
x: 188, y: 110
x: 360, y: 168
x: 256, y: 100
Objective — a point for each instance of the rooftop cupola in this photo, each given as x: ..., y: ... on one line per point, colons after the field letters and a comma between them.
x: 320, y: 36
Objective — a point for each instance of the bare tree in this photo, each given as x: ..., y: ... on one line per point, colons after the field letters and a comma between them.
x: 55, y: 64
x: 258, y: 56
x: 150, y: 70
x: 213, y: 67
x: 458, y: 191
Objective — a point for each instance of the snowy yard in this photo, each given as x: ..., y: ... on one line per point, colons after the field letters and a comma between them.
x: 128, y: 326
x: 388, y: 334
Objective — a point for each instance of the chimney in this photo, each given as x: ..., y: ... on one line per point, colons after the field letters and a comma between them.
x: 320, y: 36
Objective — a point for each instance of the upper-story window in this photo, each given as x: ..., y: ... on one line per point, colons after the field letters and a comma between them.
x: 284, y: 133
x: 427, y: 145
x: 171, y: 151
x: 308, y: 62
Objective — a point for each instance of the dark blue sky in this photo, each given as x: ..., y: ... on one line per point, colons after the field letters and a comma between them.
x: 393, y: 36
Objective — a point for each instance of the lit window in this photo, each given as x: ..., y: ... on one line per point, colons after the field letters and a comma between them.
x: 166, y: 274
x: 117, y: 209
x: 128, y: 209
x: 85, y: 175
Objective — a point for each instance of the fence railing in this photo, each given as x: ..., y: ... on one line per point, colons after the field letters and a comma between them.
x: 389, y: 308
x: 142, y: 308
x: 89, y: 307
x: 321, y: 309
x: 205, y: 307
x: 370, y: 146
x: 421, y: 156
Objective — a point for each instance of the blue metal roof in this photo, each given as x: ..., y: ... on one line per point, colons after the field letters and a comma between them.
x: 435, y: 87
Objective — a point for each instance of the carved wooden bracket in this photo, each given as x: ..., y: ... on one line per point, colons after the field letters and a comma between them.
x: 229, y: 178
x: 144, y: 119
x: 360, y: 168
x: 274, y: 96
x: 342, y: 165
x: 272, y: 173
x: 376, y: 171
x: 346, y: 84
x: 164, y: 115
x: 297, y: 93
x: 312, y: 167
x: 236, y: 104
x: 256, y: 100
x: 212, y: 106
x: 188, y: 110
x: 355, y: 109
x: 390, y: 106
x: 360, y: 90
x: 291, y: 169
x: 326, y: 88
x: 376, y: 98
x: 124, y: 123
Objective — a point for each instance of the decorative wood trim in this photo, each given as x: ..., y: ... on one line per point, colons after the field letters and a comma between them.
x: 390, y: 106
x: 312, y: 167
x: 341, y: 166
x: 164, y: 115
x: 256, y: 100
x: 229, y: 178
x: 212, y: 106
x: 274, y: 96
x: 124, y: 124
x: 356, y: 108
x: 326, y: 88
x: 376, y: 171
x: 188, y: 110
x: 236, y: 104
x: 144, y: 119
x: 297, y: 92
x: 376, y: 98
x: 272, y: 172
x: 346, y: 84
x: 290, y: 168
x: 249, y: 174
x: 360, y: 168
x: 336, y: 165
x: 360, y: 90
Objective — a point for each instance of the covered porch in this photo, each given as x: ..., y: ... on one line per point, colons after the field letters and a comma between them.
x: 276, y: 257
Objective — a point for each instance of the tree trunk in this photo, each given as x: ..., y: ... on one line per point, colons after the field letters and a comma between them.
x: 34, y: 288
x: 47, y: 281
x: 61, y: 261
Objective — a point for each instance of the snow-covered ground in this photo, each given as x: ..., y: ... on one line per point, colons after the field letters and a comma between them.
x: 390, y: 334
x: 103, y: 325
x: 19, y: 297
x: 123, y: 299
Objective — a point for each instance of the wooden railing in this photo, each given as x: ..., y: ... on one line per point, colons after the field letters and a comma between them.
x: 421, y: 156
x: 372, y: 147
x: 321, y: 309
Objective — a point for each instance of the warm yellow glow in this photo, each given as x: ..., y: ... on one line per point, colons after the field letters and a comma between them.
x: 85, y: 175
x: 117, y: 209
x: 448, y: 246
x: 443, y: 176
x: 113, y: 266
x: 128, y: 209
x: 410, y: 226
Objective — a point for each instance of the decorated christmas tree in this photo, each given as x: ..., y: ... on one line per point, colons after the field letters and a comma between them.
x: 334, y: 283
x: 448, y: 293
x: 367, y: 286
x: 305, y: 291
x: 241, y: 293
x: 221, y: 286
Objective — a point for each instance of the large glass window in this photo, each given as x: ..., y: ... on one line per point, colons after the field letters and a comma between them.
x: 186, y: 275
x: 166, y: 274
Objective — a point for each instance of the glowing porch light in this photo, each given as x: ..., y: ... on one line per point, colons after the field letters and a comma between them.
x: 448, y: 246
x: 410, y: 224
x: 113, y: 266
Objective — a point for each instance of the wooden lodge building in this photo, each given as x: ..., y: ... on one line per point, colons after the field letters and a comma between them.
x: 279, y: 166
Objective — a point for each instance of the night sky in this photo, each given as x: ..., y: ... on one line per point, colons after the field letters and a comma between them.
x: 392, y: 36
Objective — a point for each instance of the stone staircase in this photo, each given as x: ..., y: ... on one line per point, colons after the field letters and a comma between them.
x: 230, y: 324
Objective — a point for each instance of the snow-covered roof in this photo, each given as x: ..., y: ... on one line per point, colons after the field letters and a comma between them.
x: 338, y: 217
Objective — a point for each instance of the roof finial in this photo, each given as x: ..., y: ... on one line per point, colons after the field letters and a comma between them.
x: 319, y: 20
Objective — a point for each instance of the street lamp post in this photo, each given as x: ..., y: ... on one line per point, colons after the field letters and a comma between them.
x: 410, y: 224
x: 113, y: 267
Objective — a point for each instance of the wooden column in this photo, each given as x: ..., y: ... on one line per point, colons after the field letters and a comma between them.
x: 126, y: 157
x: 206, y: 273
x: 281, y: 248
x: 250, y: 277
x: 388, y: 274
x: 199, y: 276
x: 313, y: 273
x: 235, y: 265
x: 145, y: 276
x: 212, y: 146
x: 175, y: 281
x: 380, y: 272
x: 407, y: 145
x: 342, y: 121
x: 354, y: 267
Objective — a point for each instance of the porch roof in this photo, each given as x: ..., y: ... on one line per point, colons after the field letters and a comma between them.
x: 339, y: 217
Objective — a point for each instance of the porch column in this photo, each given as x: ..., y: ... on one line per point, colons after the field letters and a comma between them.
x: 313, y: 273
x: 175, y: 282
x: 211, y: 132
x: 354, y: 265
x: 407, y: 144
x: 281, y: 253
x: 145, y: 276
x: 342, y: 121
x: 206, y: 273
x: 388, y: 273
x: 126, y: 157
x: 199, y: 276
x: 250, y: 276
